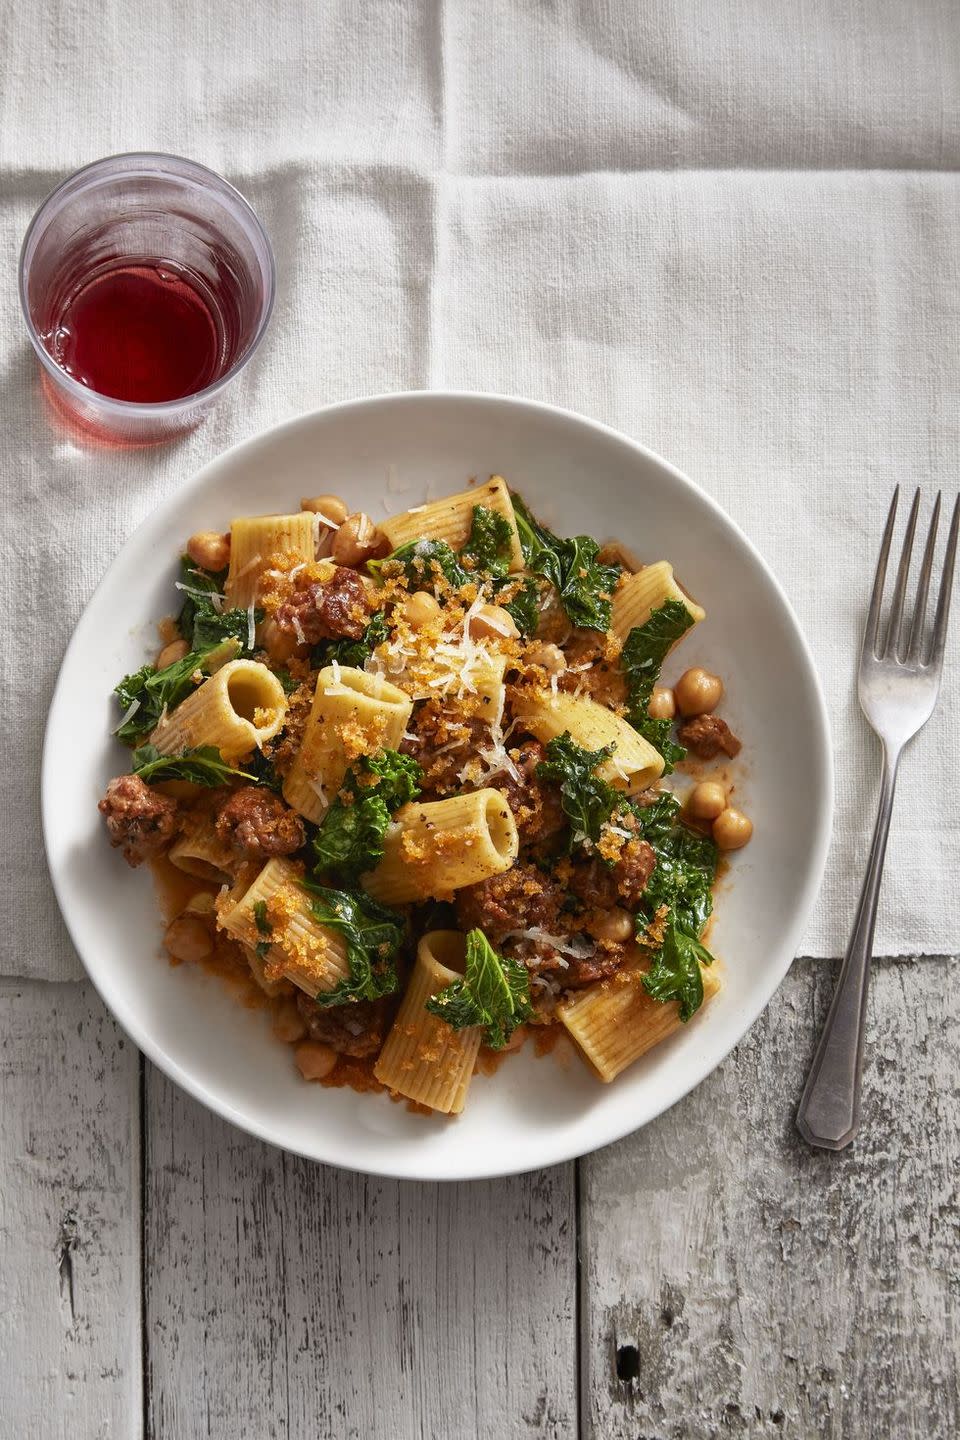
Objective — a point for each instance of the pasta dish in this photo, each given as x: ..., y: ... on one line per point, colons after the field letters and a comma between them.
x: 407, y: 779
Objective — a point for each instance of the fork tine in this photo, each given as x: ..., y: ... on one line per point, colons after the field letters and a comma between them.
x: 946, y: 585
x: 873, y: 614
x: 900, y: 588
x: 923, y: 588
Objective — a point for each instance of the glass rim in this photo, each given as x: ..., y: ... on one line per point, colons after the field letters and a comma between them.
x: 146, y: 407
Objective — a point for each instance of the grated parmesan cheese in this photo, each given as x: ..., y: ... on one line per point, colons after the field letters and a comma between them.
x: 577, y: 946
x: 251, y: 564
x: 214, y: 596
x: 128, y: 714
x: 297, y: 628
x: 251, y: 626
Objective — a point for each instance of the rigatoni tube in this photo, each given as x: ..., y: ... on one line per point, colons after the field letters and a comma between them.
x: 423, y: 1058
x: 198, y: 850
x: 436, y: 848
x: 634, y: 763
x: 240, y: 707
x: 615, y: 1021
x: 450, y: 519
x: 300, y: 948
x: 638, y: 595
x: 255, y: 540
x: 353, y: 714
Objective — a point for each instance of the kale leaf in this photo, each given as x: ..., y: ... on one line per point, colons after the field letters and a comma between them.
x: 349, y: 840
x: 157, y: 690
x: 524, y: 604
x: 200, y: 622
x: 372, y: 934
x: 641, y: 660
x: 683, y: 879
x: 352, y: 652
x: 583, y: 584
x: 262, y: 772
x: 682, y: 882
x: 588, y: 801
x: 494, y: 993
x: 489, y: 542
x: 675, y: 973
x: 201, y: 766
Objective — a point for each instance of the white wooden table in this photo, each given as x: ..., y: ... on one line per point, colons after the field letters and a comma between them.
x: 164, y: 1275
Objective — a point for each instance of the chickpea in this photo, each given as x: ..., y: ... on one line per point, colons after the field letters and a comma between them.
x: 314, y: 1059
x: 288, y: 1024
x: 707, y: 800
x: 420, y: 609
x: 188, y: 938
x: 168, y: 630
x: 662, y: 704
x: 202, y: 903
x: 331, y: 507
x: 357, y: 540
x: 209, y: 550
x: 549, y: 656
x: 732, y: 830
x: 613, y: 924
x: 697, y: 692
x: 174, y: 651
x: 492, y: 622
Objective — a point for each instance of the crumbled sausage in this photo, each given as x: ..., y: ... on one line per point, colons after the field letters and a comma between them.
x: 520, y: 899
x: 356, y: 1029
x: 326, y: 610
x: 707, y: 736
x: 140, y: 821
x: 606, y: 959
x: 536, y: 807
x: 601, y: 886
x: 256, y: 823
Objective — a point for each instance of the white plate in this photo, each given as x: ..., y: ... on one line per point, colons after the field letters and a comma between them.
x: 580, y: 477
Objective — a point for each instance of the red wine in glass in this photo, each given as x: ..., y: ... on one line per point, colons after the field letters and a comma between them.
x: 146, y: 282
x: 141, y: 332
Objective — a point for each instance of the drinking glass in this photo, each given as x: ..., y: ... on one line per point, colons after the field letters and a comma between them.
x: 144, y: 275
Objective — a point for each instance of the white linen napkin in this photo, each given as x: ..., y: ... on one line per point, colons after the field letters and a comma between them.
x: 730, y: 230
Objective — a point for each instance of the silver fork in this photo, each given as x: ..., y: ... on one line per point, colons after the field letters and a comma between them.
x: 898, y: 684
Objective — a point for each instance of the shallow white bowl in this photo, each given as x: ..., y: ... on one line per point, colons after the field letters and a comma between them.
x: 579, y: 477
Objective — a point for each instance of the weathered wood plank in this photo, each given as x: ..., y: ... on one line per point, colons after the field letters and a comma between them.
x: 750, y: 1285
x: 70, y: 1351
x: 290, y: 1300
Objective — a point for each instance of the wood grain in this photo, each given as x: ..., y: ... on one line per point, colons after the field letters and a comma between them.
x: 298, y: 1301
x: 748, y: 1285
x: 70, y: 1351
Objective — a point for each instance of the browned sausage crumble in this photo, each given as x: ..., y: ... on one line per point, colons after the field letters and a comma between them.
x: 256, y: 823
x: 707, y: 736
x: 140, y: 821
x: 357, y: 1030
x: 326, y: 610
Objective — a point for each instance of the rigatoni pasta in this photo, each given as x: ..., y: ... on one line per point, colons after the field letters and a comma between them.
x: 256, y: 541
x: 430, y: 777
x: 450, y: 519
x: 423, y: 1059
x: 295, y: 946
x: 634, y: 764
x: 615, y: 1021
x: 353, y: 714
x: 435, y: 849
x: 638, y: 595
x: 236, y: 711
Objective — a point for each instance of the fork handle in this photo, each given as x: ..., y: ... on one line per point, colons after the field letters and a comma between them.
x: 829, y: 1113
